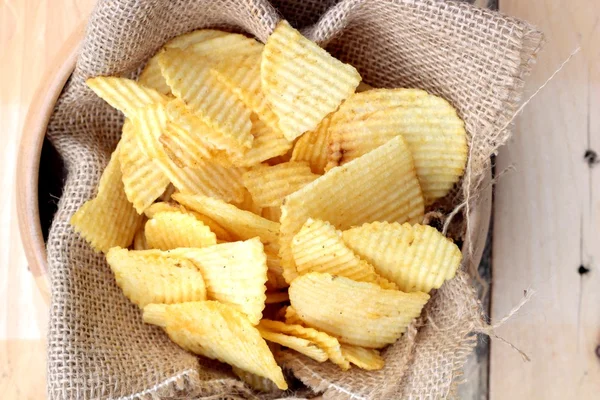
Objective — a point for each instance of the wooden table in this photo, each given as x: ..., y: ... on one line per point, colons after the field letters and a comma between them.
x: 546, y: 218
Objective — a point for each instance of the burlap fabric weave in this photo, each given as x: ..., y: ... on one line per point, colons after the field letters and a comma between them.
x: 98, y: 346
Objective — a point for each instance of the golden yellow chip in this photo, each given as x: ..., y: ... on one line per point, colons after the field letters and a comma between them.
x: 357, y: 313
x: 192, y: 80
x: 109, y: 219
x: 194, y: 37
x: 416, y: 258
x: 254, y: 381
x: 318, y: 247
x: 149, y: 123
x: 380, y: 186
x: 124, y: 94
x: 218, y: 230
x: 248, y: 203
x: 151, y: 279
x: 275, y: 272
x: 171, y: 230
x: 227, y: 46
x: 291, y: 316
x: 243, y: 224
x: 139, y: 240
x: 272, y: 213
x: 368, y: 359
x: 220, y: 332
x: 267, y: 144
x: 143, y: 181
x: 270, y: 184
x: 329, y: 344
x: 301, y: 81
x: 312, y: 147
x: 430, y: 126
x: 185, y: 148
x: 277, y: 297
x: 300, y: 345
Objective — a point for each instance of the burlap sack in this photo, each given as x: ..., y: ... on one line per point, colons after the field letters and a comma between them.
x: 98, y: 346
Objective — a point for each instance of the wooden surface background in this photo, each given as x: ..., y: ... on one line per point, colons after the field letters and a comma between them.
x: 546, y: 218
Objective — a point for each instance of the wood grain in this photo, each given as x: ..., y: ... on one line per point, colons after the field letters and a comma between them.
x: 547, y: 217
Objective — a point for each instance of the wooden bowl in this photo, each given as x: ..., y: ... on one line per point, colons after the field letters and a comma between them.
x: 28, y: 169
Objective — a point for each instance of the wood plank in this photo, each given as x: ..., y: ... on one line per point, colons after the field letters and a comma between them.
x: 547, y: 217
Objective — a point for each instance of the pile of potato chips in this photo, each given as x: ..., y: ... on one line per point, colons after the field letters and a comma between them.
x: 256, y: 180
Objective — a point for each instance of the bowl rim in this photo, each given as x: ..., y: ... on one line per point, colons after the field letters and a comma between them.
x: 28, y: 164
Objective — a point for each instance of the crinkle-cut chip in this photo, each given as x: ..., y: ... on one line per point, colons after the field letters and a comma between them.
x: 275, y: 272
x: 312, y: 147
x: 221, y: 332
x: 143, y: 181
x: 303, y: 346
x: 301, y: 81
x: 277, y: 297
x: 368, y: 359
x: 149, y: 123
x: 291, y: 316
x: 241, y: 223
x: 155, y: 208
x: 270, y: 184
x: 235, y: 273
x: 430, y: 126
x: 417, y: 258
x: 192, y: 80
x: 329, y: 344
x: 318, y: 247
x: 171, y: 230
x: 227, y: 46
x: 187, y: 149
x: 357, y: 313
x: 248, y: 203
x: 139, y: 240
x: 363, y: 87
x: 109, y: 219
x: 268, y: 143
x: 272, y: 213
x: 380, y: 186
x: 125, y: 94
x: 254, y: 381
x: 150, y: 279
x: 152, y: 76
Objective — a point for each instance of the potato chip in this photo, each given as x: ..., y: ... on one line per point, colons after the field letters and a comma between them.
x: 243, y: 224
x: 143, y: 181
x: 291, y: 316
x: 248, y: 204
x: 268, y: 143
x: 139, y: 240
x: 150, y: 279
x: 170, y: 230
x: 194, y: 37
x: 270, y: 184
x: 300, y: 345
x: 277, y: 297
x: 301, y: 81
x: 368, y: 359
x: 272, y: 213
x: 254, y: 381
x: 149, y: 123
x: 329, y: 344
x: 318, y: 247
x: 205, y: 95
x: 432, y: 130
x: 275, y: 272
x: 235, y: 273
x: 227, y: 46
x: 380, y: 186
x: 357, y: 313
x: 218, y: 230
x: 185, y: 148
x: 416, y: 258
x: 124, y: 94
x: 166, y: 196
x: 220, y: 332
x: 109, y: 219
x: 312, y: 147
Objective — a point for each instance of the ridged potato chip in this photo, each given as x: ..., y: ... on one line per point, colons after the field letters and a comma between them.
x: 192, y: 80
x: 327, y: 343
x: 254, y: 381
x: 368, y: 359
x: 430, y: 126
x: 227, y: 46
x: 248, y: 203
x: 357, y: 313
x: 380, y: 186
x: 221, y: 332
x: 124, y: 94
x: 149, y: 123
x: 300, y: 345
x: 275, y: 272
x: 272, y: 213
x: 218, y: 230
x: 312, y: 147
x: 185, y: 148
x: 291, y: 316
x: 267, y: 144
x: 243, y: 224
x: 143, y: 181
x: 318, y: 247
x: 151, y: 279
x: 109, y: 219
x: 171, y: 230
x: 417, y: 258
x: 235, y: 273
x: 277, y: 297
x: 270, y: 184
x: 301, y: 81
x: 139, y: 240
